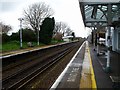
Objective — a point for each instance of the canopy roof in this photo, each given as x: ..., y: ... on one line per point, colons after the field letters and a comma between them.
x: 99, y: 12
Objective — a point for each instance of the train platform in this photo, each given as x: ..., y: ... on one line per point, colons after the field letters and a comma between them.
x: 19, y: 51
x: 25, y: 50
x: 86, y: 71
x: 106, y: 79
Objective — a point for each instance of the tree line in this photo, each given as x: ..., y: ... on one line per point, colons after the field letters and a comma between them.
x: 38, y: 22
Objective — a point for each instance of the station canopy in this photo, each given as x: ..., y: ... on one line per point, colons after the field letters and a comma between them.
x: 100, y: 12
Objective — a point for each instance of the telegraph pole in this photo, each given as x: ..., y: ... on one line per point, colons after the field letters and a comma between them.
x: 38, y: 43
x: 21, y: 19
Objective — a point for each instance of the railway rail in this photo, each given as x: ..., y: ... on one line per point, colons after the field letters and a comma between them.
x: 32, y: 61
x: 21, y: 78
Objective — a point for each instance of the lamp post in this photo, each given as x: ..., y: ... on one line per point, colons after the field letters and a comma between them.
x: 20, y: 19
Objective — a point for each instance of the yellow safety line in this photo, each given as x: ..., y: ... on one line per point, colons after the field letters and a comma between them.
x: 85, y: 81
x: 87, y: 74
x: 94, y: 86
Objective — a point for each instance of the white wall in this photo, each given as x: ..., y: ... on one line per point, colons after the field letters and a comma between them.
x: 116, y: 39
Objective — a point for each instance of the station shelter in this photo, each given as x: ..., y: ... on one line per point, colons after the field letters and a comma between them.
x: 103, y: 17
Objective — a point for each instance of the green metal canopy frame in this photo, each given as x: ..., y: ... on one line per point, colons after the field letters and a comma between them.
x: 99, y: 13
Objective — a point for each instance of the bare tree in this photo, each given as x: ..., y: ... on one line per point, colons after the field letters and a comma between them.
x: 61, y: 27
x: 68, y: 32
x: 4, y: 29
x: 36, y: 13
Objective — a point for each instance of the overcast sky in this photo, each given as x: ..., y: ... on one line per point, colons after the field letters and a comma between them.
x: 67, y: 11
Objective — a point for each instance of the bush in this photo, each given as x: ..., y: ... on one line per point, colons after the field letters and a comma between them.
x: 14, y: 36
x: 29, y: 35
x: 5, y: 38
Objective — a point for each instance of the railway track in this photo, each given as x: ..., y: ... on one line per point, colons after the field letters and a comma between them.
x: 25, y: 76
x: 22, y: 59
x: 27, y: 63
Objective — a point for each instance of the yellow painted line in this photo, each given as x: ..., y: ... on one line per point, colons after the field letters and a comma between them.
x: 87, y: 74
x: 94, y: 86
x: 85, y: 81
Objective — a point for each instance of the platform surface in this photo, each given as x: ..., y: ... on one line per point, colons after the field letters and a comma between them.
x: 78, y: 73
x: 86, y: 70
